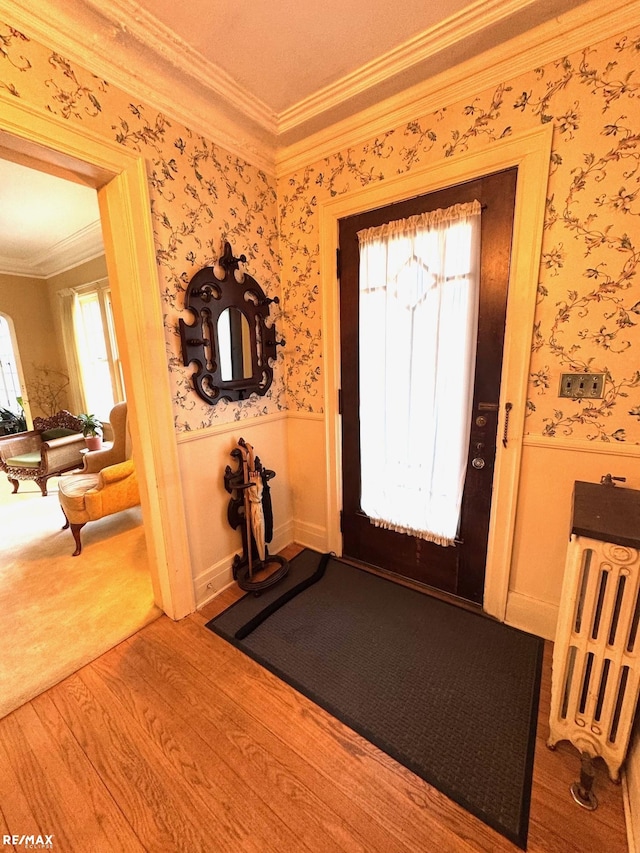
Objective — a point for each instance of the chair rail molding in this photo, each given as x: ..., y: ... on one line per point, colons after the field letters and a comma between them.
x: 576, y: 445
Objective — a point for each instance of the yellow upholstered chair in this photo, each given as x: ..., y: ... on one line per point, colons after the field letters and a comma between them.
x: 108, y: 481
x: 87, y: 497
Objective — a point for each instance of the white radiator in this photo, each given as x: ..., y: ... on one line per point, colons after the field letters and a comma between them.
x: 596, y: 654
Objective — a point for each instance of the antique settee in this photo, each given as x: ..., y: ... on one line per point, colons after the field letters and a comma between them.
x: 52, y: 447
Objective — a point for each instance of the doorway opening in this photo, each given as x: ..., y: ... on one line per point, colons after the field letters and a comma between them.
x: 75, y: 608
x: 50, y: 145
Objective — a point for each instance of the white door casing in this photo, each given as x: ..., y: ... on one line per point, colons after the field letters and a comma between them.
x: 530, y: 152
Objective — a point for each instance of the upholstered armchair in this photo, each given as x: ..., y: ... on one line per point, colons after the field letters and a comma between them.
x: 52, y: 447
x: 107, y: 483
x: 88, y: 497
x: 117, y: 430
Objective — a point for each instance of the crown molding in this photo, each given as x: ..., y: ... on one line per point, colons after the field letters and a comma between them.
x: 83, y: 34
x: 151, y: 32
x: 466, y: 23
x: 148, y: 30
x: 83, y: 246
x: 118, y: 41
x: 586, y: 25
x: 122, y: 43
x: 16, y: 267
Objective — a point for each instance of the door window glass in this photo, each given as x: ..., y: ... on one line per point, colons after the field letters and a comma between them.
x: 419, y: 283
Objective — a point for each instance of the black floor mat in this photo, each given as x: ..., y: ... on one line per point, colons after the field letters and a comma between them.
x: 452, y: 695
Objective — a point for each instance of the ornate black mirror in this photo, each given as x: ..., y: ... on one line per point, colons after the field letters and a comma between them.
x: 229, y: 340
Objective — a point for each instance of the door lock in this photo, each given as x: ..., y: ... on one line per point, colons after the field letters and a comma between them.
x: 478, y: 462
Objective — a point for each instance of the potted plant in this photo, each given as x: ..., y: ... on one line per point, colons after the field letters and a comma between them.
x: 10, y: 422
x: 91, y: 430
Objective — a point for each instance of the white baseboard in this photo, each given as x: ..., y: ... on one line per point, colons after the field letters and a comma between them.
x: 532, y: 615
x: 528, y: 614
x: 213, y: 580
x: 282, y: 536
x: 310, y: 535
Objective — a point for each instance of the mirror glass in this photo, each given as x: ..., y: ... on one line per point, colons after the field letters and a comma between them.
x: 234, y: 343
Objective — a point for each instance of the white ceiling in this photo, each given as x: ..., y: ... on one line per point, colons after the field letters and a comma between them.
x: 46, y: 223
x: 296, y: 67
x: 282, y: 69
x: 280, y: 51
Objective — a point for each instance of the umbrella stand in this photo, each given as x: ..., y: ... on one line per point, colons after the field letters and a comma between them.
x: 250, y: 511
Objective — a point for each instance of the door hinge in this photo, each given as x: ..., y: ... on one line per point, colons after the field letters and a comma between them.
x: 338, y: 264
x: 339, y: 401
x: 341, y: 521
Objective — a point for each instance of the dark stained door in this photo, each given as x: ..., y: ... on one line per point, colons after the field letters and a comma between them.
x: 458, y: 569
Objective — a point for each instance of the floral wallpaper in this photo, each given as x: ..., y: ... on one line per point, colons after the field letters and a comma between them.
x: 588, y: 308
x: 201, y: 196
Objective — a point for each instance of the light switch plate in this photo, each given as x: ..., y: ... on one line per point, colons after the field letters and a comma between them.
x: 577, y: 385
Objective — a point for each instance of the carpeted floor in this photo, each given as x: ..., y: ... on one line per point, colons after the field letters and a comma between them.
x: 58, y: 612
x: 450, y: 694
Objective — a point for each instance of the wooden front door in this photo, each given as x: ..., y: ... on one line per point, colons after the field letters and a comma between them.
x: 458, y: 569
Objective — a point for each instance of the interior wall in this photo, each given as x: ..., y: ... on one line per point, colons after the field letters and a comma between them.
x: 26, y: 301
x: 31, y: 302
x: 85, y: 273
x: 586, y: 315
x: 543, y: 526
x: 203, y: 461
x: 201, y: 196
x: 307, y: 462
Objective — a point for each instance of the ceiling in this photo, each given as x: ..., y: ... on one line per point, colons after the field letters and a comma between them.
x: 46, y: 223
x: 278, y: 70
x: 293, y: 68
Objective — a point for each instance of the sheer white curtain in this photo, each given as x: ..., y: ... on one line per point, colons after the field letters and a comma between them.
x: 419, y: 282
x: 68, y: 310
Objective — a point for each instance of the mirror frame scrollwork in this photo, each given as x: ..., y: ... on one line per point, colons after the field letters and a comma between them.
x: 209, y: 294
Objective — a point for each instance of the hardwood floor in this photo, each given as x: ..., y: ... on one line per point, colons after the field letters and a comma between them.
x: 176, y: 741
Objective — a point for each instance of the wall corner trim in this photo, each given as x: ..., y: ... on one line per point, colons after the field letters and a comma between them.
x: 532, y: 615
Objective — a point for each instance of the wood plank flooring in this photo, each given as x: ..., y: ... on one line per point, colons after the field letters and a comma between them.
x: 175, y: 741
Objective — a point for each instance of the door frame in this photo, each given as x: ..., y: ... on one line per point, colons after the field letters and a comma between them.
x: 530, y: 152
x: 43, y: 141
